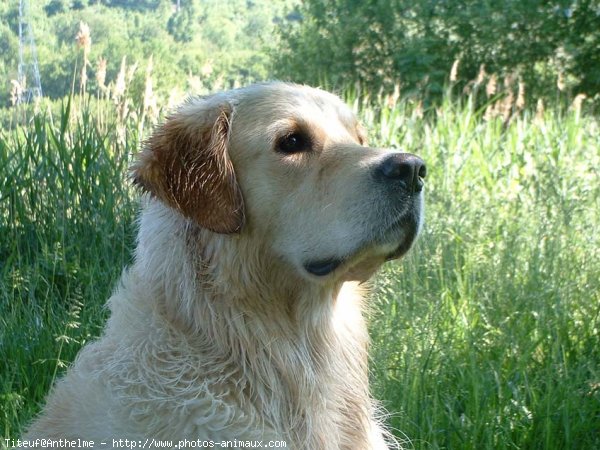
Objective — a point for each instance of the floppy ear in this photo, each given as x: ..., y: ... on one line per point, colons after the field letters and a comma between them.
x: 185, y: 163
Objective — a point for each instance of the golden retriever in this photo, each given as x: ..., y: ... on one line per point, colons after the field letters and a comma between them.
x: 241, y: 319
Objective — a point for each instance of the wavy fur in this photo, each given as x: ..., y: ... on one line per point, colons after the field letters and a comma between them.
x: 220, y: 334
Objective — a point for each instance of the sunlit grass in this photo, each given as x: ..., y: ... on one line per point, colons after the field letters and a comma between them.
x: 65, y: 233
x: 485, y: 337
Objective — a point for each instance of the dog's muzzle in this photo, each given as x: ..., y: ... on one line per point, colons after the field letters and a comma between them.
x: 400, y: 175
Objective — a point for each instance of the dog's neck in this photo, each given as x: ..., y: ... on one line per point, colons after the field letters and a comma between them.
x: 306, y: 342
x: 230, y: 272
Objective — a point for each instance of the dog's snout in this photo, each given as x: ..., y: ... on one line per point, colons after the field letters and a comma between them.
x: 404, y: 167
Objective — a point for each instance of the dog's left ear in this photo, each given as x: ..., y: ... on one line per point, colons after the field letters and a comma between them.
x: 186, y: 164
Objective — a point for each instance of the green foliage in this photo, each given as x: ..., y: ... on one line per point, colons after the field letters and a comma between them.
x: 214, y: 43
x: 382, y: 44
x: 55, y: 7
x: 66, y: 230
x: 486, y: 336
x: 140, y: 5
x: 181, y: 23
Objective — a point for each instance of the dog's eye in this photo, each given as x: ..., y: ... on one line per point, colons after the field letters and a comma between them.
x: 293, y: 143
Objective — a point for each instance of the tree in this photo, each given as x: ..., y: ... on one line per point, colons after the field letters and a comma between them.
x: 382, y: 43
x: 182, y: 25
x: 55, y: 7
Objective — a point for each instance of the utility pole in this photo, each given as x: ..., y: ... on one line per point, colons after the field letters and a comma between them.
x: 28, y: 72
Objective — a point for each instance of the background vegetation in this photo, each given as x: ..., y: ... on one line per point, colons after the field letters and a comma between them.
x: 199, y: 45
x: 383, y: 43
x: 206, y: 44
x: 485, y: 337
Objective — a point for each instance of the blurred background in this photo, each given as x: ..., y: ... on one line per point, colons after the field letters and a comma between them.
x: 553, y: 47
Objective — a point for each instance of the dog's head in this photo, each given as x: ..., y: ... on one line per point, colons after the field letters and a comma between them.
x: 287, y: 165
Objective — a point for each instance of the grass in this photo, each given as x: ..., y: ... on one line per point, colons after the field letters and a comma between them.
x: 66, y: 230
x: 485, y: 337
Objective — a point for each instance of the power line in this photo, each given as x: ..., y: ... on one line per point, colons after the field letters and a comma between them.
x: 28, y: 73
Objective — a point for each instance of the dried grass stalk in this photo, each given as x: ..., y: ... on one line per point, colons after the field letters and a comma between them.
x: 491, y: 86
x: 454, y: 71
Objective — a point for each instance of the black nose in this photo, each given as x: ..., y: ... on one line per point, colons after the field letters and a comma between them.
x: 404, y: 167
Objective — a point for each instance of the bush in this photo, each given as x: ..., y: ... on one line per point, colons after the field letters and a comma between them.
x: 382, y: 44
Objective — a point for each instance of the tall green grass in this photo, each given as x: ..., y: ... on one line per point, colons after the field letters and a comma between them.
x: 66, y: 230
x: 485, y: 337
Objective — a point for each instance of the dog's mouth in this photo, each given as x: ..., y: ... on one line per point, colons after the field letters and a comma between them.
x: 390, y: 243
x: 405, y: 230
x: 323, y: 267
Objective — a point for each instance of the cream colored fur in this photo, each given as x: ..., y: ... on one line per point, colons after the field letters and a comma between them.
x: 224, y: 335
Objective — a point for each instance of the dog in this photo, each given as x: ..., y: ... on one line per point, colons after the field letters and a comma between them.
x: 241, y: 317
